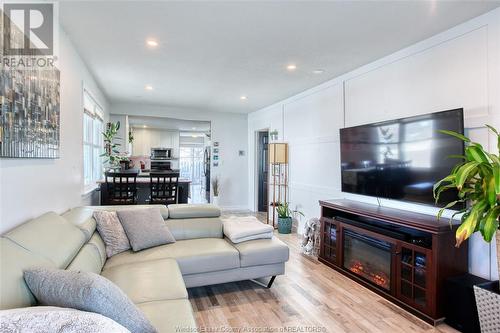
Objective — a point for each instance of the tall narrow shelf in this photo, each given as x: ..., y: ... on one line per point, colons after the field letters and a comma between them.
x: 278, y: 159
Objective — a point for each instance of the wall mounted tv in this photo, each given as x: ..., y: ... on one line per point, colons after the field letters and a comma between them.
x: 401, y: 159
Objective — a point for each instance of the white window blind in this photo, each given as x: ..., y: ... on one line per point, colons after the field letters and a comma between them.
x: 92, y: 141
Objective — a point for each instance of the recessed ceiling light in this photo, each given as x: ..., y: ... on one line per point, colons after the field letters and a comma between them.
x: 243, y: 98
x: 152, y: 43
x: 144, y: 126
x: 291, y: 67
x: 148, y: 87
x: 318, y: 71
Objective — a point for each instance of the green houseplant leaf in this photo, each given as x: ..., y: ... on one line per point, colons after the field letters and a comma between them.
x: 455, y: 134
x: 477, y: 180
x: 489, y: 224
x: 111, y: 153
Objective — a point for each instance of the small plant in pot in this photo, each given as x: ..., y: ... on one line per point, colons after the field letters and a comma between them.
x: 477, y: 180
x: 285, y: 219
x: 215, y: 190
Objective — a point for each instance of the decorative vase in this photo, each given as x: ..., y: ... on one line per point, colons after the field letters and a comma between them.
x: 488, y: 306
x: 215, y: 200
x: 497, y: 236
x: 488, y: 300
x: 284, y: 225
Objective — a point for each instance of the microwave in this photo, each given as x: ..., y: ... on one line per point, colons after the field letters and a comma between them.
x: 161, y: 153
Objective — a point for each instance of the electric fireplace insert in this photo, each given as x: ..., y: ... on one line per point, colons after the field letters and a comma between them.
x: 368, y: 258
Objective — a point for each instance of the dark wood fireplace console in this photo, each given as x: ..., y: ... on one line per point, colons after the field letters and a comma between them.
x: 403, y: 256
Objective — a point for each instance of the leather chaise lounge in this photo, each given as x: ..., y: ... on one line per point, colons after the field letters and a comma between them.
x: 154, y: 279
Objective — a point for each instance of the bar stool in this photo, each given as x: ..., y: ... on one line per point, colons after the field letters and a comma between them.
x: 122, y: 188
x: 164, y: 187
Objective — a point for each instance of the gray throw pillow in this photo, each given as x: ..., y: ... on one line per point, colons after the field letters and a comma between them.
x: 86, y: 291
x: 145, y: 228
x: 112, y: 233
x: 49, y: 319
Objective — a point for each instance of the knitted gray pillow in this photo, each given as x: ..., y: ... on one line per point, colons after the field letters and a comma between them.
x: 111, y: 231
x: 87, y: 292
x: 50, y: 319
x: 145, y: 227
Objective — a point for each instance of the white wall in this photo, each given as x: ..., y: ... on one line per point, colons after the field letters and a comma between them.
x: 457, y: 68
x: 228, y: 129
x: 32, y: 187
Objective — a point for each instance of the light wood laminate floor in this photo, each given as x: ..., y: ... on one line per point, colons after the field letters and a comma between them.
x: 310, y: 297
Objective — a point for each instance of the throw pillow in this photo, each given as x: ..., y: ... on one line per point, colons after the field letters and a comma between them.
x: 50, y: 319
x: 112, y: 233
x: 87, y: 292
x: 145, y: 228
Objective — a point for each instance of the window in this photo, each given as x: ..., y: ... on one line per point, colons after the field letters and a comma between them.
x: 92, y: 141
x: 191, y: 163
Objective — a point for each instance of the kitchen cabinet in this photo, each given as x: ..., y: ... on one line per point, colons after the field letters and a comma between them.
x: 146, y: 138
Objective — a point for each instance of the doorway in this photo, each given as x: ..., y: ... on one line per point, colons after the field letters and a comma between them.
x: 263, y: 170
x: 193, y: 164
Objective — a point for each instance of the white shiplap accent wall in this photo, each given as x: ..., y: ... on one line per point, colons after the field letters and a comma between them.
x: 311, y: 127
x: 457, y: 68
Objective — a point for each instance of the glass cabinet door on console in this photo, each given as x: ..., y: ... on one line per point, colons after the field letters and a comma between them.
x: 329, y: 241
x: 414, y: 275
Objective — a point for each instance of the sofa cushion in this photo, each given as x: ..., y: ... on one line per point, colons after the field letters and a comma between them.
x: 98, y: 243
x: 51, y: 236
x: 163, y: 208
x: 193, y: 255
x: 170, y: 316
x: 83, y: 219
x: 188, y: 211
x: 153, y: 280
x: 145, y: 228
x: 13, y: 261
x: 87, y: 260
x: 204, y: 227
x: 262, y: 252
x: 87, y: 292
x: 50, y: 319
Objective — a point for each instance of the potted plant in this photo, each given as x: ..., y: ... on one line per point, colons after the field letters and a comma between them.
x: 111, y: 152
x: 130, y: 136
x: 215, y: 189
x: 285, y: 218
x: 477, y: 180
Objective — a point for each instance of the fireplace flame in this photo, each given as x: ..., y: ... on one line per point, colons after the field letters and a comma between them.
x: 377, y: 277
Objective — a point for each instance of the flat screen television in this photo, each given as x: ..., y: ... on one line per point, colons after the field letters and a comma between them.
x: 401, y: 159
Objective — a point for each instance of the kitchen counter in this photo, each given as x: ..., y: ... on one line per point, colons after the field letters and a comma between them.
x: 143, y: 177
x: 143, y: 189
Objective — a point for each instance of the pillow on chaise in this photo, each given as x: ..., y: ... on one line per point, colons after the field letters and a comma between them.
x: 87, y: 292
x: 50, y: 319
x: 145, y: 227
x: 112, y: 233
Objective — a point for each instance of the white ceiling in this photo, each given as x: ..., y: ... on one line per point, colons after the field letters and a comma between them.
x: 211, y: 53
x: 169, y: 124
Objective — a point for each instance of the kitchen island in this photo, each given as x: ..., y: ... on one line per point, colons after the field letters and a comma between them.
x: 143, y: 189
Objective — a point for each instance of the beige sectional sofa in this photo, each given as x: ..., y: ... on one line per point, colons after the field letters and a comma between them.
x: 155, y: 279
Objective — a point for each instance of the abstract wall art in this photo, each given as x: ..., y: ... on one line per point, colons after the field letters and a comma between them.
x: 29, y: 113
x: 29, y: 100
